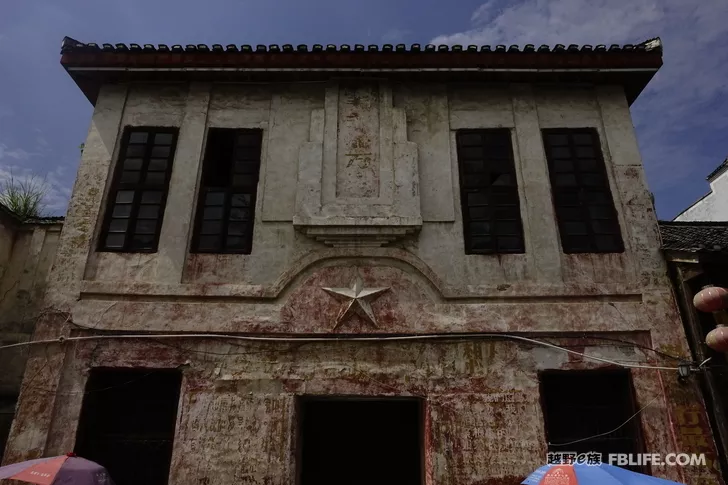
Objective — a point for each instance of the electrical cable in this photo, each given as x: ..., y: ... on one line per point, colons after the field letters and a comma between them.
x: 608, y: 432
x: 423, y: 337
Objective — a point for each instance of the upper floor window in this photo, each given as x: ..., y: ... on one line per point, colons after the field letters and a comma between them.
x: 226, y: 207
x: 139, y: 190
x: 489, y: 192
x: 583, y: 202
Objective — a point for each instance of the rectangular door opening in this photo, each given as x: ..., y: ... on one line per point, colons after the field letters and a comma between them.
x: 360, y: 441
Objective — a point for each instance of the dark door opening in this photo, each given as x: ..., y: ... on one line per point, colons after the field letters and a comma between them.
x: 598, y: 405
x: 360, y: 441
x: 127, y: 423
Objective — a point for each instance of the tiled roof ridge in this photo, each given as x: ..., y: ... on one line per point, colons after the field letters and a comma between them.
x: 720, y: 167
x: 694, y: 223
x: 72, y: 45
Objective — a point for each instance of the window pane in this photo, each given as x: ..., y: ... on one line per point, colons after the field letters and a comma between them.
x: 135, y: 151
x: 251, y: 138
x: 239, y: 214
x: 592, y: 179
x: 600, y: 212
x: 118, y: 225
x: 215, y: 198
x: 209, y: 243
x: 503, y: 179
x: 148, y: 212
x: 142, y: 241
x: 563, y: 166
x: 163, y: 138
x: 595, y: 197
x: 472, y: 153
x: 505, y: 198
x: 151, y: 197
x: 155, y: 178
x: 481, y: 243
x: 510, y: 243
x: 121, y: 210
x: 133, y: 164
x: 575, y: 228
x: 145, y: 226
x: 128, y: 177
x: 499, y: 151
x: 246, y: 168
x: 138, y: 137
x: 585, y: 152
x: 477, y: 199
x: 480, y: 228
x: 480, y: 212
x: 507, y: 228
x: 603, y: 227
x: 114, y: 241
x: 158, y: 164
x: 582, y: 139
x: 161, y: 151
x: 235, y: 242
x: 125, y: 196
x: 241, y: 200
x: 212, y: 213
x: 571, y: 213
x: 587, y: 165
x: 473, y: 167
x: 565, y: 179
x: 244, y: 181
x: 507, y: 212
x: 211, y: 227
x: 469, y: 139
x: 237, y: 228
x: 557, y: 140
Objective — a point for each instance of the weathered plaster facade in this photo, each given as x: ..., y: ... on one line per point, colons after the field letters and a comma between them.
x: 26, y: 254
x: 392, y: 216
x: 713, y: 206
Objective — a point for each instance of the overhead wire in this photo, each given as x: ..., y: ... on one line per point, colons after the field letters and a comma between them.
x: 395, y: 338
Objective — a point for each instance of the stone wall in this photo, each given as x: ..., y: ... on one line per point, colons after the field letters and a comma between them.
x: 26, y: 255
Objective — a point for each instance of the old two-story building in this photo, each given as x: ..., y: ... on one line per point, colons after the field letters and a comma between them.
x: 356, y: 264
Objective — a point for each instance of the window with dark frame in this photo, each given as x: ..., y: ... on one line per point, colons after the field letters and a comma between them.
x: 489, y: 192
x: 139, y: 190
x: 590, y: 404
x: 383, y: 444
x: 583, y: 202
x: 127, y: 423
x: 226, y: 208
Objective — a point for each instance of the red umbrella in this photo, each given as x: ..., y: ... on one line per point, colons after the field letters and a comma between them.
x: 58, y: 470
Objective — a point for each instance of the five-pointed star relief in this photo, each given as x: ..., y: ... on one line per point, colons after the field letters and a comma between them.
x: 357, y: 300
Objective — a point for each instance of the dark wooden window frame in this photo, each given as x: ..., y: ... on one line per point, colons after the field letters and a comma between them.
x: 227, y: 204
x: 489, y: 190
x: 635, y: 422
x: 579, y: 191
x: 138, y: 187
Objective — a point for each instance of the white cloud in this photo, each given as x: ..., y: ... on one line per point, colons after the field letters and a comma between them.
x: 681, y: 98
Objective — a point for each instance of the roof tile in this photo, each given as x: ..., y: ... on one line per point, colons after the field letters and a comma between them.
x: 694, y: 237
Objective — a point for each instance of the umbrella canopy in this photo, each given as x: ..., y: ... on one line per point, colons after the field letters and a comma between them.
x: 57, y: 470
x: 579, y: 474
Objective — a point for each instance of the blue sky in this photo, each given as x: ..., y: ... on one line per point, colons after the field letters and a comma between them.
x: 681, y: 119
